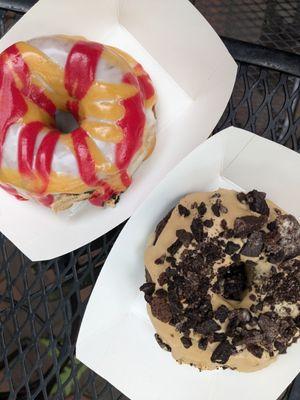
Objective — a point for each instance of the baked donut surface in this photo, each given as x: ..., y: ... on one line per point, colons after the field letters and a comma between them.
x: 223, y: 280
x: 110, y: 96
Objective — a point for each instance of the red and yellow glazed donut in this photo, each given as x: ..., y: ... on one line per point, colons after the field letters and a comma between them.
x: 109, y: 94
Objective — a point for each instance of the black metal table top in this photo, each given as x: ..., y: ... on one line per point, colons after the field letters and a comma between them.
x: 42, y: 304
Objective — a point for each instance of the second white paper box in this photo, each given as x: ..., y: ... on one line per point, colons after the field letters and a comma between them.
x: 116, y: 338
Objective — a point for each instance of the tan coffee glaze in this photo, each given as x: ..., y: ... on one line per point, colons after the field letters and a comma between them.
x: 243, y: 360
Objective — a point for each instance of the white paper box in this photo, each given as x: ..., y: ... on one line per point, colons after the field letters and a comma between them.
x: 192, y: 72
x: 116, y: 338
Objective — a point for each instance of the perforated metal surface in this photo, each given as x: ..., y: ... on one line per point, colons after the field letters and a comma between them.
x: 42, y: 304
x: 271, y: 23
x: 265, y: 102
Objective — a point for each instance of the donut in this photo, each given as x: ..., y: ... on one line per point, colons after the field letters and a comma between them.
x: 223, y: 280
x: 111, y: 99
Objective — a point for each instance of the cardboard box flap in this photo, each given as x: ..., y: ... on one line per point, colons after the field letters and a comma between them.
x: 181, y: 29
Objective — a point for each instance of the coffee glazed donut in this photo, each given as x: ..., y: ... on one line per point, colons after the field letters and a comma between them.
x: 112, y: 99
x: 223, y: 280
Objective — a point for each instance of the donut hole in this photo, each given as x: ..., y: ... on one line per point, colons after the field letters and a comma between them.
x: 233, y: 282
x: 65, y: 121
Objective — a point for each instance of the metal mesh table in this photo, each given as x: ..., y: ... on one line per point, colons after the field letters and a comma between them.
x: 42, y: 304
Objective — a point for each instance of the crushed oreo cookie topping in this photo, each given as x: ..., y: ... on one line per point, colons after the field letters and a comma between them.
x: 221, y: 313
x: 162, y: 345
x: 254, y: 245
x: 183, y: 211
x: 226, y: 284
x: 243, y: 226
x: 222, y: 353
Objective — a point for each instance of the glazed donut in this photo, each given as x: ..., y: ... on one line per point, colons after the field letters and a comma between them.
x: 223, y: 280
x: 110, y: 96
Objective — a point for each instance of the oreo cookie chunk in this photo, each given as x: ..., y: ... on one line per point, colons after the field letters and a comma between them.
x: 283, y: 241
x: 161, y: 225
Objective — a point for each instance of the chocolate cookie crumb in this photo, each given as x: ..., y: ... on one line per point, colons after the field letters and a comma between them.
x: 257, y: 202
x: 284, y: 241
x: 162, y: 279
x: 243, y: 226
x: 148, y: 288
x: 216, y: 208
x: 186, y: 342
x: 202, y: 344
x: 183, y: 211
x: 148, y: 276
x: 242, y: 198
x: 202, y: 209
x: 148, y: 298
x: 184, y: 236
x: 231, y: 247
x: 254, y: 245
x: 229, y: 233
x: 160, y: 308
x: 160, y: 260
x: 281, y: 347
x: 174, y: 247
x: 161, y: 293
x: 250, y: 264
x: 271, y: 226
x: 268, y: 326
x: 209, y: 326
x: 221, y: 313
x: 208, y: 223
x: 197, y: 229
x: 162, y: 345
x: 242, y: 314
x: 223, y: 224
x: 236, y: 258
x: 222, y: 353
x: 218, y: 337
x: 256, y: 350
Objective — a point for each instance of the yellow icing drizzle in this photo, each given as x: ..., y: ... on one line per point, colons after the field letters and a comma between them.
x: 35, y: 113
x: 104, y: 131
x: 46, y: 74
x: 60, y: 183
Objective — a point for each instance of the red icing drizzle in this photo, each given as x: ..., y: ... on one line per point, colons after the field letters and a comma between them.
x: 73, y: 107
x: 81, y: 67
x: 85, y: 161
x: 27, y: 139
x: 44, y: 157
x: 12, y: 105
x: 13, y: 192
x: 132, y: 124
x: 38, y: 96
x: 33, y: 92
x: 146, y: 86
x: 126, y: 179
x: 86, y: 164
x: 145, y: 83
x: 98, y: 199
x: 46, y: 200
